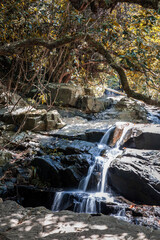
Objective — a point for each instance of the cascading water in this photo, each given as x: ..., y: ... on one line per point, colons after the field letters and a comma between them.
x: 83, y: 199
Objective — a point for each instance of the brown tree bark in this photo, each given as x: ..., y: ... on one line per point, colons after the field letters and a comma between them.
x: 80, y: 5
x: 13, y: 48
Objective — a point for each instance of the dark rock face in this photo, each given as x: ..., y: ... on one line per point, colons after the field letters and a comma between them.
x: 147, y: 140
x: 64, y: 163
x: 137, y: 176
x: 64, y: 171
x: 72, y: 147
x: 37, y: 196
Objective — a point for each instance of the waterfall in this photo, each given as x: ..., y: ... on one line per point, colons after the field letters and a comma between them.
x: 103, y: 143
x: 84, y: 200
x: 57, y: 201
x: 120, y: 141
x: 84, y: 183
x: 105, y: 138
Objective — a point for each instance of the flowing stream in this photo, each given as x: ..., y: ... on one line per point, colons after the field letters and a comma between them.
x: 84, y: 198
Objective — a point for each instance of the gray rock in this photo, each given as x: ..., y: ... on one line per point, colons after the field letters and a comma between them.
x: 79, y: 128
x: 39, y: 223
x: 90, y: 104
x: 53, y: 120
x: 136, y: 175
x: 124, y: 109
x: 70, y: 147
x: 31, y: 119
x: 5, y: 157
x: 144, y: 137
x: 65, y: 94
x: 131, y: 110
x: 12, y: 99
x: 139, y: 136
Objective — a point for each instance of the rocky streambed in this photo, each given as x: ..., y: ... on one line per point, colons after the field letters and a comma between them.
x: 36, y: 165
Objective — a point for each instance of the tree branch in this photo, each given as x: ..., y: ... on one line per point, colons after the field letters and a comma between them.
x: 96, y: 4
x: 12, y: 48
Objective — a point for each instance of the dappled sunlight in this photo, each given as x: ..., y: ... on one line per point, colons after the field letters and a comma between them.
x: 40, y: 223
x: 98, y: 227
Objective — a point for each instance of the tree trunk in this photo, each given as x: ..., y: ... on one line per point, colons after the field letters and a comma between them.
x: 121, y: 73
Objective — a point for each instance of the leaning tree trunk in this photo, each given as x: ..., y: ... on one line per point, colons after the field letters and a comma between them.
x: 130, y: 93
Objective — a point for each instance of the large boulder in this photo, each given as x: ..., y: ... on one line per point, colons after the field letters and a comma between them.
x: 64, y: 163
x: 144, y: 137
x: 64, y: 94
x: 31, y: 119
x: 139, y: 136
x: 136, y: 176
x: 130, y: 109
x: 77, y: 96
x: 91, y: 104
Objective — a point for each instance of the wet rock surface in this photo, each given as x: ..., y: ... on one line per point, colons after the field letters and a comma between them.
x: 136, y: 176
x: 39, y: 223
x: 63, y: 163
x: 64, y: 171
